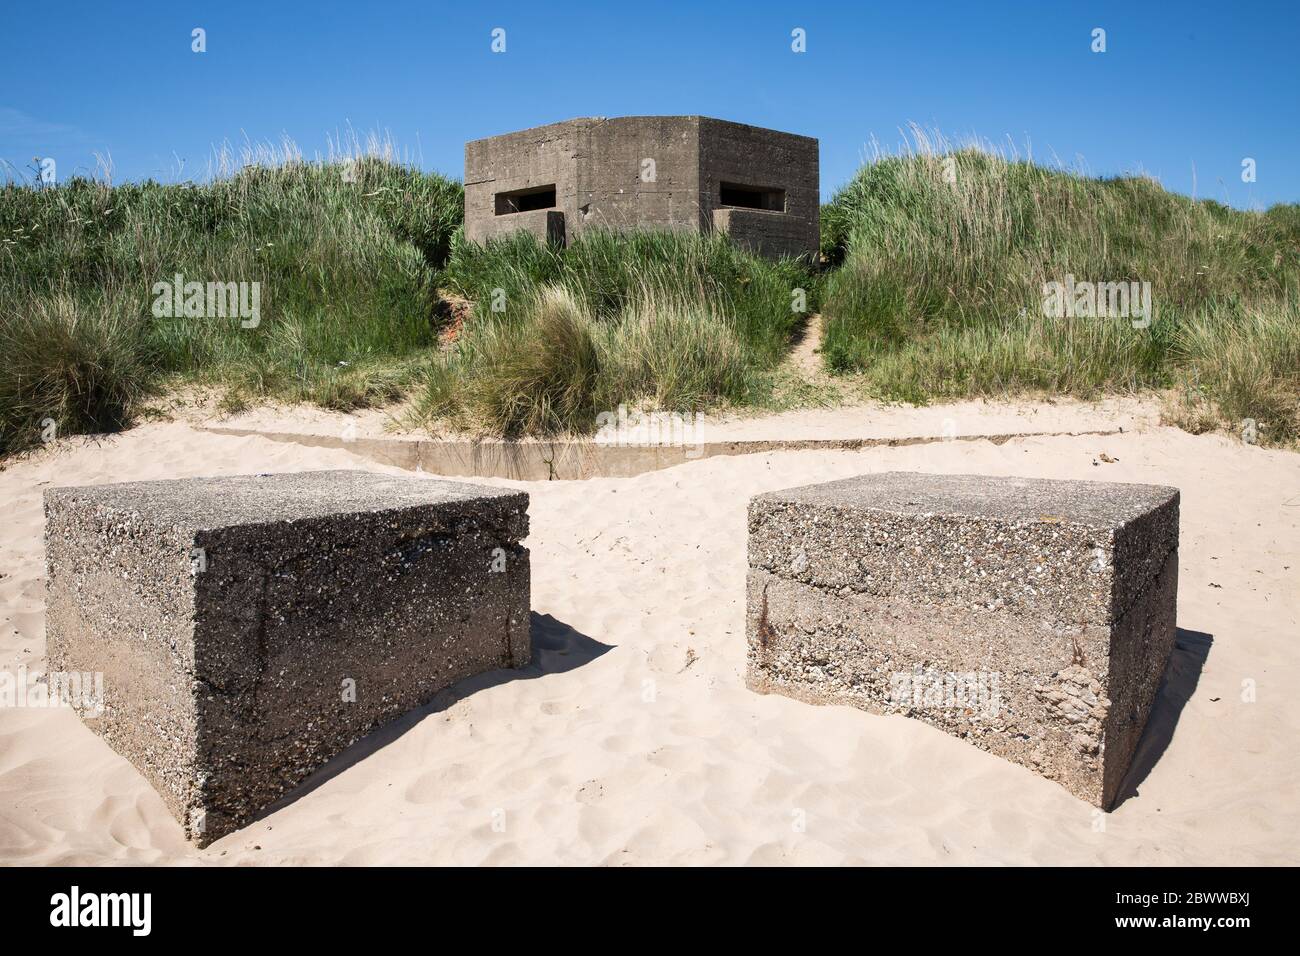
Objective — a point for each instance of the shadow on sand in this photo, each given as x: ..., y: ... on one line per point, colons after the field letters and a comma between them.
x: 556, y: 648
x: 1181, y: 676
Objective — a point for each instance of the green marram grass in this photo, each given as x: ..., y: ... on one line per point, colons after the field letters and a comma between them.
x: 346, y: 253
x: 943, y: 259
x: 678, y: 321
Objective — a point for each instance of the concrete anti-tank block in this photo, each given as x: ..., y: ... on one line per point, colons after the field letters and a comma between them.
x: 1031, y: 618
x: 250, y: 628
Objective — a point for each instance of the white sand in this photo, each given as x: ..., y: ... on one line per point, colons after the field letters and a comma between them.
x: 633, y: 739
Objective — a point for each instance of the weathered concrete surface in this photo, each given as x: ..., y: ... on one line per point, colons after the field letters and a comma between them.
x: 758, y: 230
x: 546, y: 224
x: 599, y: 170
x: 250, y: 628
x: 1031, y: 618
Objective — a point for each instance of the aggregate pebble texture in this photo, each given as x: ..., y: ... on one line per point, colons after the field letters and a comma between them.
x: 1032, y: 618
x: 250, y: 628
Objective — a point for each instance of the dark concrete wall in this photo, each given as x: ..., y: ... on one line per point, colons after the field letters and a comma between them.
x: 598, y: 167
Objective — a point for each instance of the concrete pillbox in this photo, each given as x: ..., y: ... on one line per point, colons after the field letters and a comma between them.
x: 250, y: 628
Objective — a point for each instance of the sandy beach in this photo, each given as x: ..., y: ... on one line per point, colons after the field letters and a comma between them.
x: 631, y: 738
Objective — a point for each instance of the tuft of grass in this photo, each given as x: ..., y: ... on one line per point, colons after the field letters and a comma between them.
x: 672, y: 351
x: 553, y: 365
x: 1248, y: 380
x: 535, y: 373
x: 69, y: 368
x: 607, y: 270
x: 678, y: 321
x: 946, y: 251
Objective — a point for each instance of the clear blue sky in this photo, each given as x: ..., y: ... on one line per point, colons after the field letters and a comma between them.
x: 1181, y: 87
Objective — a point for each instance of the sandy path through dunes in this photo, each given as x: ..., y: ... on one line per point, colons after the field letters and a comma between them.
x: 632, y: 738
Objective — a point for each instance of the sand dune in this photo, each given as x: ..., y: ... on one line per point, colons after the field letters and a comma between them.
x: 631, y: 738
